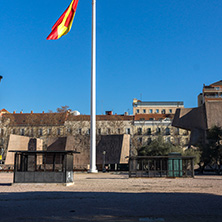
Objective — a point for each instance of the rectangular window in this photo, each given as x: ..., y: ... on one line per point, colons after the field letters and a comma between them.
x: 99, y: 131
x: 49, y: 131
x: 22, y: 132
x: 139, y: 130
x: 31, y: 133
x: 88, y: 131
x: 167, y: 131
x: 149, y: 131
x: 144, y: 111
x: 118, y: 131
x: 128, y: 131
x: 13, y: 131
x: 170, y: 111
x: 157, y: 110
x: 150, y: 111
x: 163, y: 111
x: 157, y: 130
x: 58, y: 131
x: 108, y: 131
x: 137, y: 111
x: 40, y: 132
x: 69, y: 130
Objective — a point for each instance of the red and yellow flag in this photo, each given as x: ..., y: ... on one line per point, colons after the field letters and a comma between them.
x: 64, y: 23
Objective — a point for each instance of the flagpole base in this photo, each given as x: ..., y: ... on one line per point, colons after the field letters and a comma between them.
x: 93, y: 171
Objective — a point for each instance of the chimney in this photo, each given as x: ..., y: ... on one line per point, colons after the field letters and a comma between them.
x: 31, y: 111
x: 109, y: 113
x: 43, y: 112
x: 126, y: 114
x: 21, y: 112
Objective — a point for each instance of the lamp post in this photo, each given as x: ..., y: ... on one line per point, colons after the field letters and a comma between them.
x: 104, y: 161
x: 1, y: 78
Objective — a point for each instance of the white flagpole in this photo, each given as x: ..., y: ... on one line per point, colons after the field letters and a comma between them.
x: 93, y: 94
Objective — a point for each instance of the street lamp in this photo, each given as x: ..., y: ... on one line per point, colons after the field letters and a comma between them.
x: 1, y: 78
x: 104, y: 161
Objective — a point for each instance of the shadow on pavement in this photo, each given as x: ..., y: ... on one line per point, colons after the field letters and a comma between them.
x: 109, y: 206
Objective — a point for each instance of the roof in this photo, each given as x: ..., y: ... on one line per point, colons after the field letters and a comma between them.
x: 146, y: 117
x: 4, y: 111
x: 35, y: 119
x: 100, y: 118
x: 161, y: 103
x: 218, y: 83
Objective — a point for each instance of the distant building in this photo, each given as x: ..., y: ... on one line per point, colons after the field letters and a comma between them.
x: 200, y: 119
x: 213, y: 92
x: 141, y: 107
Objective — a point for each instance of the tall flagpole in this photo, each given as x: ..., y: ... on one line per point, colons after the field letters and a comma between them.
x: 93, y: 94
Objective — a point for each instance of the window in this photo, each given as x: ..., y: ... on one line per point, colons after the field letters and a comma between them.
x: 1, y: 132
x: 99, y: 131
x: 142, y: 119
x: 137, y: 111
x: 163, y: 111
x: 158, y: 130
x: 118, y: 131
x: 31, y: 133
x: 13, y: 131
x: 150, y: 111
x: 40, y: 132
x: 217, y: 88
x: 144, y: 111
x: 140, y: 139
x: 128, y: 131
x: 49, y: 131
x: 170, y: 111
x: 69, y: 130
x: 151, y: 119
x: 22, y: 132
x: 149, y: 131
x: 88, y: 132
x: 177, y: 131
x: 139, y: 130
x: 167, y: 130
x: 80, y: 131
x: 58, y: 131
x: 157, y: 110
x: 108, y: 131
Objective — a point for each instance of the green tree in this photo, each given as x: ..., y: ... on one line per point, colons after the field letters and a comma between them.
x: 212, y: 150
x: 159, y: 147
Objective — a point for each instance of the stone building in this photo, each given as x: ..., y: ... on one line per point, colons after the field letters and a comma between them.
x: 200, y: 119
x: 121, y: 135
x: 213, y: 92
x: 166, y: 107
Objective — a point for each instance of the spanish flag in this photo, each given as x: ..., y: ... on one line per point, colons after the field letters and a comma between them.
x: 64, y: 23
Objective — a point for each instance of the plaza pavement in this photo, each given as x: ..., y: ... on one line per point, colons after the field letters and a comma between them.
x: 113, y: 197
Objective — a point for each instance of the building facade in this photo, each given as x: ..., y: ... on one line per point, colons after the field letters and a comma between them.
x: 213, y: 92
x: 141, y: 107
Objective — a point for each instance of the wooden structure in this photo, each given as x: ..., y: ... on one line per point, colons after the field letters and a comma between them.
x: 43, y: 167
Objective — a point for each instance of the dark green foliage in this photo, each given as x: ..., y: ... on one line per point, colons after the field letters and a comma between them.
x: 212, y: 150
x: 159, y: 147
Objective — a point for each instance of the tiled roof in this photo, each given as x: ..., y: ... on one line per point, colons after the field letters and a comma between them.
x: 100, y: 118
x: 146, y: 117
x: 4, y: 111
x: 35, y: 119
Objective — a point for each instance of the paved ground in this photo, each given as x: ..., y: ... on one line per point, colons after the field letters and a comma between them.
x: 114, y: 197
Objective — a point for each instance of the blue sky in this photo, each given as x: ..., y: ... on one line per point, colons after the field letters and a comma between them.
x: 161, y: 50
